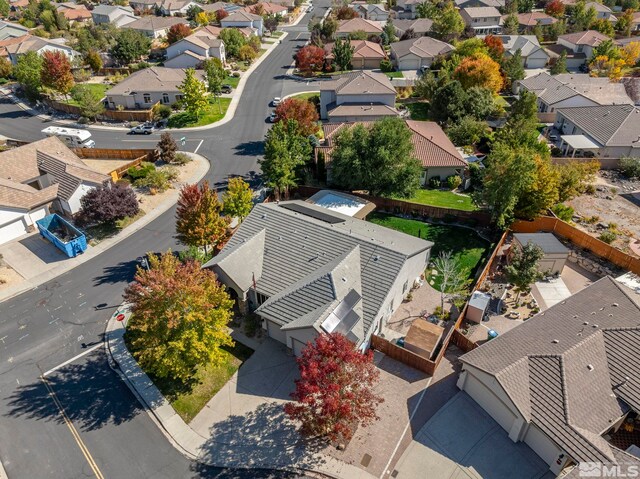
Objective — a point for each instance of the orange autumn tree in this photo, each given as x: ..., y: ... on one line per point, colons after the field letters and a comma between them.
x: 479, y: 70
x: 495, y: 46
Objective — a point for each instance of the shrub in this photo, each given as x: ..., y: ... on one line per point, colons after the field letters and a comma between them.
x: 193, y: 253
x: 592, y: 219
x: 630, y: 167
x: 386, y: 65
x: 107, y: 204
x: 236, y: 75
x: 453, y: 181
x: 434, y: 182
x: 607, y: 236
x: 170, y: 172
x: 161, y: 111
x: 156, y: 181
x: 81, y: 75
x: 562, y: 211
x: 590, y: 189
x: 139, y: 172
x: 182, y: 159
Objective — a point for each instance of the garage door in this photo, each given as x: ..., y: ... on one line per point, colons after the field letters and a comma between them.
x: 409, y: 64
x: 12, y: 231
x: 276, y: 333
x: 489, y: 402
x: 298, y: 346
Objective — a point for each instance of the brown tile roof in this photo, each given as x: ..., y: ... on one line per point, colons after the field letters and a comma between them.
x: 21, y: 165
x: 358, y: 24
x: 564, y: 368
x: 152, y: 23
x: 361, y: 49
x: 374, y: 110
x: 590, y: 37
x: 359, y: 83
x: 423, y: 47
x: 72, y: 11
x: 154, y: 79
x: 68, y: 175
x: 267, y: 7
x: 533, y: 18
x: 24, y: 197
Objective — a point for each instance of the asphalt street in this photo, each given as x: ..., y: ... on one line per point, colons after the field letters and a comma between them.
x: 81, y: 420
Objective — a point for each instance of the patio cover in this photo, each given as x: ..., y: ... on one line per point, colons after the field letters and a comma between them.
x: 579, y: 142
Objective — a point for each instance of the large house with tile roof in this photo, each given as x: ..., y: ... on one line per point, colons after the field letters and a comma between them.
x: 580, y: 43
x: 13, y: 48
x: 564, y: 381
x: 191, y: 51
x: 366, y: 55
x: 155, y: 27
x: 483, y: 20
x: 431, y: 147
x: 532, y: 54
x: 305, y: 269
x: 416, y: 53
x: 347, y: 27
x: 419, y: 26
x: 242, y: 19
x: 38, y: 177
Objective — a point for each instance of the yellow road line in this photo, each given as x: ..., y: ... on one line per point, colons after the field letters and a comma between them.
x: 72, y: 429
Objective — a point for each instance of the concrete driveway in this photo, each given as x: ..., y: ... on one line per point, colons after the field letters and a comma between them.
x: 462, y: 441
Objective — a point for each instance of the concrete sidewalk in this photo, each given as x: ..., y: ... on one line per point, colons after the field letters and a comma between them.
x: 67, y: 264
x: 237, y: 428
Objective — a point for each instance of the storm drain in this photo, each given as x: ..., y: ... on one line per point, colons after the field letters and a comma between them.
x: 366, y: 459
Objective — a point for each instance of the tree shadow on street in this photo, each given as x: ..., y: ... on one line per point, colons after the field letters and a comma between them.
x: 201, y: 471
x: 250, y: 148
x: 122, y: 272
x: 263, y: 437
x: 90, y: 393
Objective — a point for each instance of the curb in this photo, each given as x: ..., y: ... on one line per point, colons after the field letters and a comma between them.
x: 66, y: 266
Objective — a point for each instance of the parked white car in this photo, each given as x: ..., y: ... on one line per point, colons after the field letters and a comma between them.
x: 276, y: 101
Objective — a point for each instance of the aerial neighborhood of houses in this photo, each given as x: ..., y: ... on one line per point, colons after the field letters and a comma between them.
x: 353, y: 239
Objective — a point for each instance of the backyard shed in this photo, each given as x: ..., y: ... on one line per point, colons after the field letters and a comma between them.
x: 423, y: 338
x: 478, y: 305
x: 555, y: 253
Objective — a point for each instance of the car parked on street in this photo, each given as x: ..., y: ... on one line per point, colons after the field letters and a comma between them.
x: 144, y: 129
x: 276, y: 101
x: 272, y: 117
x: 226, y: 88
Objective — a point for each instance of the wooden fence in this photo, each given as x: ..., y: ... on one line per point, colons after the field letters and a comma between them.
x: 462, y: 341
x: 111, y: 154
x: 605, y: 163
x: 403, y: 355
x: 408, y: 208
x: 580, y: 239
x: 116, y: 115
x: 107, y: 71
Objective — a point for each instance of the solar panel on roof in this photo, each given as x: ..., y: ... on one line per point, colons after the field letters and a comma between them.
x: 305, y: 210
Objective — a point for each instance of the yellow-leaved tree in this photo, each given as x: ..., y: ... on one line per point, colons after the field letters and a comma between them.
x: 479, y: 70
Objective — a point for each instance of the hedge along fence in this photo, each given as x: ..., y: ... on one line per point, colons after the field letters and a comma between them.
x: 580, y: 239
x: 116, y: 115
x: 408, y: 208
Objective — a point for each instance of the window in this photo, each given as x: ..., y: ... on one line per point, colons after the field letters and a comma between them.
x: 261, y: 298
x: 146, y: 98
x: 178, y: 98
x: 165, y: 98
x: 405, y: 286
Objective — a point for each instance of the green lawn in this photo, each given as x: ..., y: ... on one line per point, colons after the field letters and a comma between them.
x: 233, y: 81
x: 99, y: 88
x: 306, y: 96
x: 277, y: 34
x: 212, y: 114
x: 443, y: 199
x: 188, y: 401
x: 97, y: 233
x: 394, y: 74
x: 464, y: 243
x: 419, y: 111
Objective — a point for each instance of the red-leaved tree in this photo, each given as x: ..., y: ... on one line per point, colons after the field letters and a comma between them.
x: 56, y: 71
x: 334, y: 394
x: 303, y: 111
x: 555, y: 8
x: 345, y: 12
x: 221, y: 14
x: 107, y: 204
x: 309, y: 59
x: 178, y: 32
x: 495, y: 46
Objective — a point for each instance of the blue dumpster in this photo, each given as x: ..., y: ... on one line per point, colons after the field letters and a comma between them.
x: 66, y: 237
x: 492, y: 334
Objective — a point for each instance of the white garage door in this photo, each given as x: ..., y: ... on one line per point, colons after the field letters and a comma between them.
x: 489, y: 402
x: 276, y: 333
x: 12, y: 231
x: 298, y: 346
x: 409, y: 64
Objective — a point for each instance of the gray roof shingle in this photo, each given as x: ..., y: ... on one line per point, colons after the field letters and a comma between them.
x: 610, y: 125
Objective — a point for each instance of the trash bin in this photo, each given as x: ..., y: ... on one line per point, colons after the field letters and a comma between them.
x: 491, y: 334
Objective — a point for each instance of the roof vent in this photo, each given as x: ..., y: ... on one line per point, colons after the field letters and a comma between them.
x: 555, y: 341
x: 593, y: 312
x: 590, y: 367
x: 264, y: 216
x: 595, y: 326
x: 615, y: 305
x: 344, y: 280
x: 376, y: 258
x: 610, y: 315
x: 585, y: 323
x: 575, y: 316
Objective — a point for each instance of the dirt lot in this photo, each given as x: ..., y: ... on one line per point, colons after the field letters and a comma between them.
x: 616, y: 202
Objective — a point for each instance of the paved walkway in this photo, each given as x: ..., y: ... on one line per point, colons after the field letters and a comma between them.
x: 244, y: 425
x: 49, y: 263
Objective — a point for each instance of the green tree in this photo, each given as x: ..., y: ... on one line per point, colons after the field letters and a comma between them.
x: 5, y: 8
x: 89, y: 101
x: 389, y: 33
x: 93, y: 59
x: 560, y: 65
x: 180, y: 317
x: 513, y: 67
x: 167, y: 148
x: 238, y: 199
x: 328, y: 28
x: 379, y: 159
x: 604, y: 26
x: 426, y: 85
x: 582, y: 17
x: 247, y: 54
x: 448, y: 23
x: 6, y: 68
x: 480, y: 103
x: 194, y: 93
x: 130, y: 46
x: 454, y: 279
x: 233, y: 40
x: 511, y: 25
x: 468, y: 131
x: 525, y: 6
x: 427, y: 10
x: 28, y: 72
x: 449, y: 103
x: 286, y: 150
x: 343, y: 53
x: 606, y: 49
x: 522, y: 270
x: 522, y: 122
x: 215, y: 74
x: 574, y: 178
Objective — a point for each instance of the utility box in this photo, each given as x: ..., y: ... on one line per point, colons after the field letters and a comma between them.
x: 66, y: 237
x: 478, y: 305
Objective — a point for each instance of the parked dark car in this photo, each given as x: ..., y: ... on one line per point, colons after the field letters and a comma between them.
x: 226, y: 89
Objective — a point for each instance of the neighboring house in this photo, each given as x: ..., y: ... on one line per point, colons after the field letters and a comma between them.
x: 144, y: 5
x: 366, y: 55
x: 609, y: 131
x: 533, y: 55
x: 36, y: 177
x: 418, y: 52
x: 479, y: 3
x: 419, y: 26
x: 18, y: 5
x: 191, y: 51
x: 582, y: 42
x: 635, y: 22
x: 12, y: 30
x: 483, y: 20
x: 603, y: 12
x: 406, y: 9
x: 155, y: 27
x: 214, y: 7
x: 431, y: 147
x: 14, y: 48
x: 74, y: 12
x: 290, y: 4
x: 118, y: 16
x: 370, y: 11
x: 176, y: 7
x: 564, y: 381
x: 305, y: 269
x: 242, y: 19
x: 269, y: 8
x: 145, y: 88
x: 357, y: 96
x: 347, y: 27
x: 528, y: 21
x: 570, y: 90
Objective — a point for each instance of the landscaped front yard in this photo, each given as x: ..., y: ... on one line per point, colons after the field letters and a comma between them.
x: 307, y: 96
x: 214, y: 112
x: 463, y: 243
x: 208, y: 381
x: 394, y: 74
x: 97, y: 88
x: 443, y: 199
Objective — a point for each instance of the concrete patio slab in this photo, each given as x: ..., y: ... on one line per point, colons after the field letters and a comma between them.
x: 551, y: 292
x: 462, y: 441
